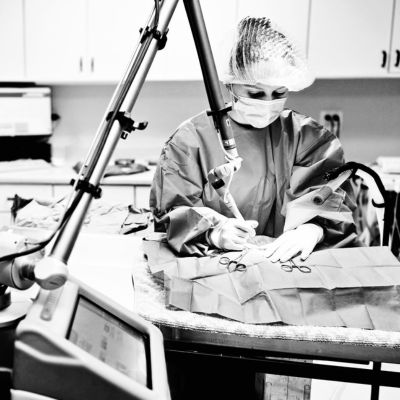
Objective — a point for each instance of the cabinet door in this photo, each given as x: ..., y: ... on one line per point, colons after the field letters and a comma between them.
x: 41, y: 192
x: 395, y: 46
x: 55, y: 39
x: 117, y: 194
x: 113, y: 27
x: 142, y: 196
x: 178, y: 60
x: 349, y: 38
x: 11, y: 40
x: 61, y: 191
x: 110, y: 194
x: 290, y: 15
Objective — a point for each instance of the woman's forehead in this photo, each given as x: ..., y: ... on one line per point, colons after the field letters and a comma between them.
x: 265, y: 88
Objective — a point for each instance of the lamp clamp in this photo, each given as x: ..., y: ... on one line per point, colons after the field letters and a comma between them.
x: 127, y: 123
x: 86, y: 186
x: 160, y: 37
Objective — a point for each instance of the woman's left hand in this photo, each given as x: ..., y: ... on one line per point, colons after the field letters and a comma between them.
x: 302, y: 240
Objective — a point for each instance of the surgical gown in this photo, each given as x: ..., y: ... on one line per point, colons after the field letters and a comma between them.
x: 281, y: 162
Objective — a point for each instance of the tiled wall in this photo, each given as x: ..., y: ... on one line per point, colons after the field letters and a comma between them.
x: 371, y: 109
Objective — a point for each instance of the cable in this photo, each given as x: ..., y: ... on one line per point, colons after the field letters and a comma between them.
x: 40, y: 245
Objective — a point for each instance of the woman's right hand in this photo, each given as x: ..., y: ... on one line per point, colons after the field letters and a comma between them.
x: 232, y: 234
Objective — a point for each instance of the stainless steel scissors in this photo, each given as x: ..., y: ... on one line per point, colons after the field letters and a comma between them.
x: 235, y: 263
x: 288, y: 266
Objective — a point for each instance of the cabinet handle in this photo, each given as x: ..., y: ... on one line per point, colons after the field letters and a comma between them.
x: 92, y: 64
x: 80, y: 64
x: 397, y: 62
x: 384, y: 58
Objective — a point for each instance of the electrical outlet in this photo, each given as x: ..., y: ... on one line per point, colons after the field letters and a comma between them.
x: 332, y: 120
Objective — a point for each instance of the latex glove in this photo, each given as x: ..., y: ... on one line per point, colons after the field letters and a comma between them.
x: 232, y: 234
x: 302, y: 240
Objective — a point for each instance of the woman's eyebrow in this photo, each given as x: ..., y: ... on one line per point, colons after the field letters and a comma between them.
x: 255, y: 89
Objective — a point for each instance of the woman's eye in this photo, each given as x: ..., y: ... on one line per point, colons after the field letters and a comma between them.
x: 256, y: 95
x: 279, y: 93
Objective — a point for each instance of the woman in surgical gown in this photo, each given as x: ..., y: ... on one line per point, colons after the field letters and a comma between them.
x: 285, y: 155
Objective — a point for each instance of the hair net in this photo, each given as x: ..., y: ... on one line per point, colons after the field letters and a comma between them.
x: 262, y: 54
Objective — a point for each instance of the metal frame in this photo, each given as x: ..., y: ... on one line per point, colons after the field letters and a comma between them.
x: 231, y: 353
x: 51, y: 272
x: 124, y: 98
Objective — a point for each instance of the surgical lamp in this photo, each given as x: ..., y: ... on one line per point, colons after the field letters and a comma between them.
x: 51, y: 271
x: 63, y: 301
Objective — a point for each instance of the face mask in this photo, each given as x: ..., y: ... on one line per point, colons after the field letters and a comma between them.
x: 255, y: 112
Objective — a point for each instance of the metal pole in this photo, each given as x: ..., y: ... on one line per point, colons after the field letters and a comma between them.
x: 108, y: 136
x: 376, y: 367
x: 210, y: 76
x: 50, y: 272
x: 129, y: 73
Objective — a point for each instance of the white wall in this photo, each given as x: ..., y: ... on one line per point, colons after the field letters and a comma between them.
x: 371, y: 113
x: 371, y: 110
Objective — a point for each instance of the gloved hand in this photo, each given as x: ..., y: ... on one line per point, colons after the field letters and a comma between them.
x: 232, y: 234
x: 302, y: 240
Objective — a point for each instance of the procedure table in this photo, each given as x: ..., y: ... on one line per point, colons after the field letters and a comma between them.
x: 205, y: 347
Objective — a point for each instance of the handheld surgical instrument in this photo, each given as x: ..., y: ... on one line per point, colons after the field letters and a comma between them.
x: 290, y: 265
x: 236, y: 263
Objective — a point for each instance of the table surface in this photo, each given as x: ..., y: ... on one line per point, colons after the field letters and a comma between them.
x: 316, y: 342
x: 108, y: 262
x: 40, y: 172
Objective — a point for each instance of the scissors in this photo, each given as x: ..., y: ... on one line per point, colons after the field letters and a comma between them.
x: 290, y: 265
x: 237, y: 265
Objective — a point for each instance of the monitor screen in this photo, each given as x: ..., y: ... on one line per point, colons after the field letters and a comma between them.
x: 110, y: 340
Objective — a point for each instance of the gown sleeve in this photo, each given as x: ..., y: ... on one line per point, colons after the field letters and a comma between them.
x: 176, y: 195
x: 319, y: 151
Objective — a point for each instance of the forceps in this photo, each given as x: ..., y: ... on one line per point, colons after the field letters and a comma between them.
x: 290, y: 265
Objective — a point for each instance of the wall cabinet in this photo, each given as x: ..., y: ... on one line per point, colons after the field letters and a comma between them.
x: 80, y: 40
x: 142, y: 196
x: 60, y: 41
x: 11, y: 40
x: 103, y: 37
x: 137, y: 195
x: 178, y: 60
x: 112, y: 194
x: 113, y: 33
x: 54, y: 39
x: 350, y: 38
x: 394, y: 57
x: 8, y: 191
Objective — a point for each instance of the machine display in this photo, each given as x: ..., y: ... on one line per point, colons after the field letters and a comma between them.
x: 77, y: 344
x: 110, y: 340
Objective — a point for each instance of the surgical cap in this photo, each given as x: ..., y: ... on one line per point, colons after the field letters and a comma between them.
x: 263, y: 54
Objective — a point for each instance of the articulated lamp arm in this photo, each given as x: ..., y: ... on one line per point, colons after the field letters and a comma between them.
x: 221, y: 176
x: 51, y: 271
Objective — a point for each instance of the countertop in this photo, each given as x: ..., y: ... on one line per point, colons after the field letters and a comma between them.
x: 38, y: 172
x: 41, y: 173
